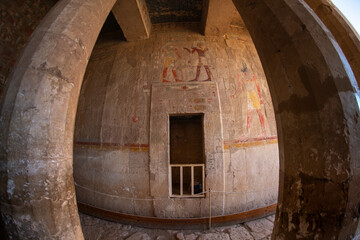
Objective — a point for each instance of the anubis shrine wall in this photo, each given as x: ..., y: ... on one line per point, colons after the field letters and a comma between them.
x: 121, y: 145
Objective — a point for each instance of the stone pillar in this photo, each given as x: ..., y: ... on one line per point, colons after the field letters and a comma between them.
x: 315, y: 101
x: 216, y: 17
x: 37, y: 123
x: 340, y: 28
x: 133, y: 18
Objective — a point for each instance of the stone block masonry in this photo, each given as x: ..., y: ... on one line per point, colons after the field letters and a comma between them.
x: 121, y: 154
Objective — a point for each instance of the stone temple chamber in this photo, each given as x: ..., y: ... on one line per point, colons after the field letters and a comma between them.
x: 178, y: 119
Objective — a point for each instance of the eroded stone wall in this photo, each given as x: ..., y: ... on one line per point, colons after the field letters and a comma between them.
x: 117, y: 164
x: 18, y: 20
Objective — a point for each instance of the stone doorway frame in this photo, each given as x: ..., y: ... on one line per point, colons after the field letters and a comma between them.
x: 182, y: 94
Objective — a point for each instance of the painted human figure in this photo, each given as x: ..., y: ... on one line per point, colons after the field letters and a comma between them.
x: 170, y: 64
x: 254, y: 101
x: 200, y: 50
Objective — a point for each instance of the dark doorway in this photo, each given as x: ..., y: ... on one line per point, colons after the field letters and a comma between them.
x: 186, y: 155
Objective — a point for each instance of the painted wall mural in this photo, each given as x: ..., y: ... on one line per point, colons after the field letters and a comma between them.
x: 113, y: 119
x: 172, y: 63
x: 249, y: 85
x: 200, y: 49
x: 177, y: 58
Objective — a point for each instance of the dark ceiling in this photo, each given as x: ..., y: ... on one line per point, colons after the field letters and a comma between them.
x: 110, y: 24
x: 166, y: 11
x: 163, y: 11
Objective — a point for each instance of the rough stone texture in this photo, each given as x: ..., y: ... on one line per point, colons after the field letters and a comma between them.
x: 240, y: 232
x: 260, y: 228
x: 133, y: 18
x: 121, y: 140
x: 191, y: 237
x: 343, y: 32
x: 37, y: 123
x: 15, y: 30
x: 313, y: 175
x: 95, y: 228
x: 139, y: 236
x: 180, y: 236
x: 214, y: 236
x: 271, y: 218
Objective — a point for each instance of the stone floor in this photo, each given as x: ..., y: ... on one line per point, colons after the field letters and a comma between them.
x: 97, y: 229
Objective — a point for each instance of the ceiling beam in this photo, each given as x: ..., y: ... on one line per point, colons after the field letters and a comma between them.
x: 133, y: 18
x: 216, y: 17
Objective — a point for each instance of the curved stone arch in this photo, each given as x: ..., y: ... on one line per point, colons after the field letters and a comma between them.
x: 37, y: 123
x: 314, y: 100
x: 315, y: 104
x: 343, y: 32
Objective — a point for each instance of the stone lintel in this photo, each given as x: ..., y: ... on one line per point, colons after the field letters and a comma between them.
x: 216, y: 17
x: 133, y: 18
